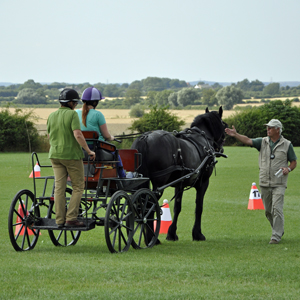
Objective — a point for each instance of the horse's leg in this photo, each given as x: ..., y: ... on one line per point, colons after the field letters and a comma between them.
x: 201, y: 189
x: 149, y: 233
x: 172, y: 236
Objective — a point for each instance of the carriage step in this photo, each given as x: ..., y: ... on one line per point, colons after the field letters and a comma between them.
x: 100, y: 222
x: 49, y: 224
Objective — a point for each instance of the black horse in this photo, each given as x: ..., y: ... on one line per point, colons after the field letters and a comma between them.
x: 168, y: 159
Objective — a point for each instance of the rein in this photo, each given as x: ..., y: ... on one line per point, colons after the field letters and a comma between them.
x: 129, y: 136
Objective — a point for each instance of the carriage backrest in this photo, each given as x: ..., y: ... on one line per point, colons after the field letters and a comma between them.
x: 131, y: 159
x: 104, y: 150
x: 92, y: 136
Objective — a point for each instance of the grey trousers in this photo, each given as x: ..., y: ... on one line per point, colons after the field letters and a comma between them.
x: 273, y: 199
x: 62, y: 168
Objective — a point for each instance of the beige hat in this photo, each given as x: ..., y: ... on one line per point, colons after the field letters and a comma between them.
x: 274, y: 123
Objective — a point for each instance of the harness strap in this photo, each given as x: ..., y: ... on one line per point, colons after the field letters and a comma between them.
x: 168, y: 171
x: 183, y: 135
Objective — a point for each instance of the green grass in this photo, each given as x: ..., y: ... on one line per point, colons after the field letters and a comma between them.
x: 235, y: 262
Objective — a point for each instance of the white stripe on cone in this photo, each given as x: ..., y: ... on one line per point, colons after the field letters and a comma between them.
x: 36, y: 170
x: 166, y: 219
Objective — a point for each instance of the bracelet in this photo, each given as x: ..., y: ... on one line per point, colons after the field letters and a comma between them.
x: 289, y: 169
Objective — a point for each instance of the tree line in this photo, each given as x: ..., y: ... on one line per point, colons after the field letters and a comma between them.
x: 18, y: 133
x: 174, y: 93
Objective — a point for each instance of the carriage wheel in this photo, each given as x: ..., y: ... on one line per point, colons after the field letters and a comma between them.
x: 20, y: 218
x: 147, y: 219
x: 118, y: 224
x: 62, y: 237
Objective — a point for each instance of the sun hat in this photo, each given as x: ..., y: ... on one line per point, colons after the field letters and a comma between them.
x: 274, y: 123
x: 91, y: 94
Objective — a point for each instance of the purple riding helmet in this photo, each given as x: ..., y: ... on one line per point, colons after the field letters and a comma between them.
x: 91, y: 94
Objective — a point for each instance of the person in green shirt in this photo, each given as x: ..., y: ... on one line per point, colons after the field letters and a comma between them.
x: 66, y: 143
x: 276, y: 160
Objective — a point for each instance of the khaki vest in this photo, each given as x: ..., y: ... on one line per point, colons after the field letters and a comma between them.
x: 268, y: 167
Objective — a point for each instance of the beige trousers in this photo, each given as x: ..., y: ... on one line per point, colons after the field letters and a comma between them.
x: 62, y: 168
x: 273, y: 199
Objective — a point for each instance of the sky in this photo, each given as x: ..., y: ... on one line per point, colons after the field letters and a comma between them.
x: 120, y: 41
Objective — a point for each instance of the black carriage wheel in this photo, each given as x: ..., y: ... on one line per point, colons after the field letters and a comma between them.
x: 118, y: 224
x: 20, y: 218
x: 146, y: 219
x: 62, y: 237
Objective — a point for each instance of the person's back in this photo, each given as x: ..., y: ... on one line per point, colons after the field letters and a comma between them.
x: 60, y: 126
x: 94, y: 120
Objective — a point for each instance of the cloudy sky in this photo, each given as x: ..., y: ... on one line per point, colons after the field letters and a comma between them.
x: 119, y: 41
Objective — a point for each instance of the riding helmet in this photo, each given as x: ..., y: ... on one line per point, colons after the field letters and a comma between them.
x: 91, y: 94
x: 67, y: 95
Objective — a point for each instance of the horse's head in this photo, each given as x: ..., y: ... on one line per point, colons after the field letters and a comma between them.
x: 212, y: 124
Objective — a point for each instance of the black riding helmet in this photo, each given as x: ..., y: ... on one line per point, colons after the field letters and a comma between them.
x: 67, y: 95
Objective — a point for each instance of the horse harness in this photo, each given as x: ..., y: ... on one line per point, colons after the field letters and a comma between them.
x: 197, y: 138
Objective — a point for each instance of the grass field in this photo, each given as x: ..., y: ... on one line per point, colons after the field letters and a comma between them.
x: 235, y: 262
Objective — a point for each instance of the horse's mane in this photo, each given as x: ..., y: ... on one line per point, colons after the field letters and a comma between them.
x: 199, y: 120
x: 206, y: 118
x: 209, y: 121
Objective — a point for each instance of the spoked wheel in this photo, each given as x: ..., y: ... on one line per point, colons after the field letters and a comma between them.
x: 118, y: 224
x: 147, y: 219
x: 21, y: 216
x: 62, y: 237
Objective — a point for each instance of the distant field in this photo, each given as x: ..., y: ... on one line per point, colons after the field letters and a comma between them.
x: 118, y: 120
x: 119, y: 116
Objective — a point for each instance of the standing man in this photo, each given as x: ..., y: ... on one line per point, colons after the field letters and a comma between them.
x: 66, y: 143
x: 274, y: 154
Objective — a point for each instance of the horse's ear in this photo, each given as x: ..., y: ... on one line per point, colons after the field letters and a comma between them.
x: 206, y: 110
x: 221, y: 111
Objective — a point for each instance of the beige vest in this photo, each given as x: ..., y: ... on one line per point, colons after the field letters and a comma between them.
x: 268, y: 167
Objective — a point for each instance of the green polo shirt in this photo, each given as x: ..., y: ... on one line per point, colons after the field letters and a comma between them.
x: 60, y: 127
x: 291, y: 156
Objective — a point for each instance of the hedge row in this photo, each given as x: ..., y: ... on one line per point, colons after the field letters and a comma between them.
x: 250, y: 122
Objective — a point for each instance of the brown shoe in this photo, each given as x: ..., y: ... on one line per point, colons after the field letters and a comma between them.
x: 75, y: 223
x: 273, y: 242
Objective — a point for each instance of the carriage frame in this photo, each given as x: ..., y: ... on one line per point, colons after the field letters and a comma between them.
x: 129, y: 214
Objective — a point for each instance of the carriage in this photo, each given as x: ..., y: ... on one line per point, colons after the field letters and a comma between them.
x: 126, y: 211
x: 127, y: 207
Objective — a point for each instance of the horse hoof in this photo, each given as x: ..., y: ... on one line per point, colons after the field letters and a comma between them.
x: 201, y: 238
x: 158, y: 242
x: 169, y: 238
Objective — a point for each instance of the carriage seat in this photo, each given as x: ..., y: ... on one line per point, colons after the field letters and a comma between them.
x: 104, y: 150
x: 131, y: 159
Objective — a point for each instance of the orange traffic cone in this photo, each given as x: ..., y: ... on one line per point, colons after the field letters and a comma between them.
x: 255, y: 201
x: 166, y: 219
x: 19, y: 220
x: 36, y: 170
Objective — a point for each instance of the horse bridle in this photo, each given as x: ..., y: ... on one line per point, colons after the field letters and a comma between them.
x: 218, y: 144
